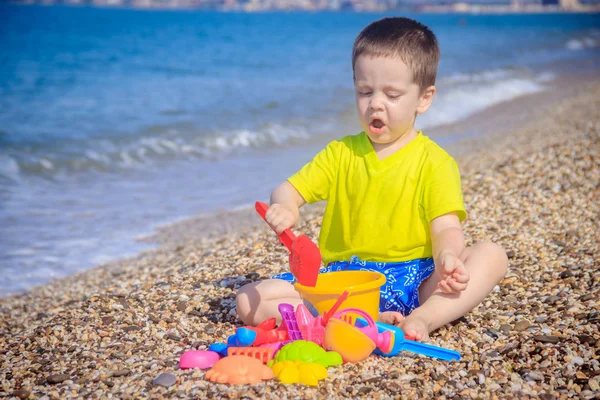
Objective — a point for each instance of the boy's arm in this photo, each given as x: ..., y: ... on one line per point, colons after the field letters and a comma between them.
x: 447, y: 242
x: 285, y: 207
x: 313, y: 181
x: 446, y: 235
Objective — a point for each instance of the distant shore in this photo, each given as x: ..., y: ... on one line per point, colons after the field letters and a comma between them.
x: 368, y: 6
x: 530, y: 185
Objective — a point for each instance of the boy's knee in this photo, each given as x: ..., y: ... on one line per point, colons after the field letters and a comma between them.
x: 247, y: 299
x: 267, y: 289
x: 499, y: 257
x: 257, y: 301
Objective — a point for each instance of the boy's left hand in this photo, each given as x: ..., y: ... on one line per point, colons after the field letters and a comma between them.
x: 454, y: 274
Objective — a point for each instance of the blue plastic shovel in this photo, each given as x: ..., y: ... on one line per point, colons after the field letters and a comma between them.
x: 402, y: 344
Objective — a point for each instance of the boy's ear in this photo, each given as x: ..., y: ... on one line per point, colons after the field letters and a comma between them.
x: 426, y: 99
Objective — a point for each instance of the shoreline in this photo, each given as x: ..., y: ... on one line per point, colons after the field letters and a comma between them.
x: 533, y: 189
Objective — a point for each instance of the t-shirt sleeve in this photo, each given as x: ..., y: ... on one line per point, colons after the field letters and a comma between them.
x: 443, y: 192
x: 314, y: 180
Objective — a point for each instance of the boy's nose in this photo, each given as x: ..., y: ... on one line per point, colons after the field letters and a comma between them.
x: 376, y: 103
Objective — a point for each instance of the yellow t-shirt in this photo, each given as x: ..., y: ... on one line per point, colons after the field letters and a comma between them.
x: 379, y: 210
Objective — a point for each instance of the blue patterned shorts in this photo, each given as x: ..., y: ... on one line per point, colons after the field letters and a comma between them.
x: 401, y: 291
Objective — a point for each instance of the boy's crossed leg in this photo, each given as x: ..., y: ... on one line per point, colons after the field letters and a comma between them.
x: 486, y: 264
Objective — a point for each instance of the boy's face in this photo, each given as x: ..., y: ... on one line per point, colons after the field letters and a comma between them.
x: 388, y: 100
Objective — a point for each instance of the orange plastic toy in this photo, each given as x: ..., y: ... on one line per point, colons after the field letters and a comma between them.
x: 263, y: 354
x: 239, y: 370
x: 352, y: 344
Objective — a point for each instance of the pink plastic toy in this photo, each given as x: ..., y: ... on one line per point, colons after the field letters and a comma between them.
x: 311, y: 328
x: 289, y: 319
x: 198, y: 359
x: 384, y: 341
x: 303, y: 316
x: 314, y: 333
x: 275, y: 345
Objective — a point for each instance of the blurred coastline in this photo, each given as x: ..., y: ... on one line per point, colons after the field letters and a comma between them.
x: 467, y: 6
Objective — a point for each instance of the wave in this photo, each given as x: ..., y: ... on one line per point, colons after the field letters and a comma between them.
x: 582, y: 43
x: 9, y: 168
x: 459, y: 96
x: 157, y: 143
x: 462, y: 95
x: 477, y: 77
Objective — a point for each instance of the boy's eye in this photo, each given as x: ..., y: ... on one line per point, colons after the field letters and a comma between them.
x: 364, y: 92
x: 393, y: 95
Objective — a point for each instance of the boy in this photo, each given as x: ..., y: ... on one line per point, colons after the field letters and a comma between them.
x: 394, y: 199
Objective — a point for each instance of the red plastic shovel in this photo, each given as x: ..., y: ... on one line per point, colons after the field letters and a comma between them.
x: 305, y: 257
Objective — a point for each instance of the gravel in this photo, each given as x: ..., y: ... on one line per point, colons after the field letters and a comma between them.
x: 117, y: 331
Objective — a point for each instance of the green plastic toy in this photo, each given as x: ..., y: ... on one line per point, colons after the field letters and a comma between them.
x: 307, y: 352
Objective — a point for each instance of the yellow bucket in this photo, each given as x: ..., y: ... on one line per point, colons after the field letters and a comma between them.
x: 363, y: 288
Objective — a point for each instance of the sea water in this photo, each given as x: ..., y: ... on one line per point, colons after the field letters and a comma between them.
x: 115, y: 121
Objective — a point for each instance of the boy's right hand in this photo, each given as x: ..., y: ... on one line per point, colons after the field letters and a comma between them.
x: 282, y: 217
x: 455, y: 276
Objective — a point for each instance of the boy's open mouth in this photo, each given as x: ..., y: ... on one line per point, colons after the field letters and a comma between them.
x: 376, y: 126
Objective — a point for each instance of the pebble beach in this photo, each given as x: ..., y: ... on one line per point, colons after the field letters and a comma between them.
x: 118, y: 330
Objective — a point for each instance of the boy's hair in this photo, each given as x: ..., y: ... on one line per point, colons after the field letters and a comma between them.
x: 413, y: 42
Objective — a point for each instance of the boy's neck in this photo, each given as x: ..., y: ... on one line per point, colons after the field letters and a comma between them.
x: 384, y: 150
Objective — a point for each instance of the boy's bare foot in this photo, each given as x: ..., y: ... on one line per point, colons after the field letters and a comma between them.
x: 415, y: 328
x: 391, y: 318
